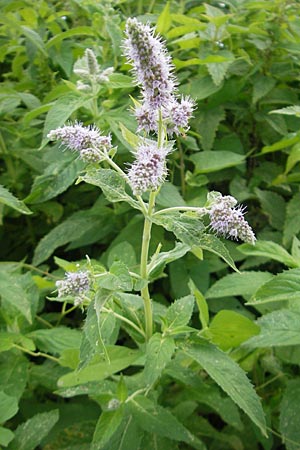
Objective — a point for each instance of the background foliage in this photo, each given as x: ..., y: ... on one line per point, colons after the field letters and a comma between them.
x: 239, y: 60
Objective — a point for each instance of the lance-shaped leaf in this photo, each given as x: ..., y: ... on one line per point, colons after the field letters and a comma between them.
x: 159, y: 352
x: 7, y: 198
x: 229, y: 376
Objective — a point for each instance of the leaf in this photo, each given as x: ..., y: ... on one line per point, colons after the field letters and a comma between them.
x: 270, y: 250
x: 283, y: 287
x: 243, y: 283
x: 291, y: 139
x: 164, y: 20
x: 201, y: 303
x: 160, y: 260
x: 77, y: 31
x: 35, y: 40
x: 273, y: 205
x: 112, y: 185
x: 6, y: 436
x: 212, y: 161
x: 118, y: 278
x: 289, y: 415
x: 8, y: 406
x: 57, y: 178
x: 262, y: 86
x: 60, y: 113
x: 179, y: 313
x: 208, y: 126
x: 15, y: 298
x: 199, y: 89
x: 130, y: 137
x: 56, y: 340
x: 293, y: 158
x: 279, y: 328
x: 288, y: 111
x: 107, y: 425
x: 292, y: 220
x: 119, y: 359
x: 127, y: 437
x: 119, y: 81
x: 169, y: 196
x: 13, y: 374
x: 228, y: 329
x: 159, y: 352
x: 30, y: 434
x: 10, y: 200
x: 158, y: 420
x: 229, y: 376
x: 98, y: 221
x: 218, y: 70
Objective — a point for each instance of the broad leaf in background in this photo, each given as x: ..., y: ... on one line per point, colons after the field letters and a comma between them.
x: 271, y: 250
x: 289, y: 415
x: 159, y: 352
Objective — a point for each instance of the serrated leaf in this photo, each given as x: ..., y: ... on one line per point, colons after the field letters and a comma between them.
x: 35, y: 40
x: 209, y: 120
x: 289, y: 415
x: 159, y: 352
x: 158, y: 420
x: 228, y: 329
x: 7, y: 198
x: 262, y: 86
x: 159, y: 261
x: 30, y: 434
x: 212, y: 161
x: 243, y: 283
x: 282, y: 287
x: 180, y: 312
x: 229, y: 376
x: 218, y: 70
x: 279, y: 328
x: 288, y: 111
x: 112, y: 185
x: 270, y: 250
x: 13, y: 374
x: 15, y: 298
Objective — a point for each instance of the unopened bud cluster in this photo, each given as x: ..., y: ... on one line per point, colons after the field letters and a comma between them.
x: 88, y: 141
x: 227, y: 220
x: 89, y: 71
x: 149, y: 170
x: 154, y: 73
x: 75, y: 284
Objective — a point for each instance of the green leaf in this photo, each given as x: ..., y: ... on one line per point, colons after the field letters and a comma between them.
x: 160, y: 260
x: 279, y: 328
x: 289, y: 415
x: 132, y: 139
x: 35, y: 39
x: 292, y: 221
x: 273, y: 205
x: 229, y: 376
x: 97, y: 221
x: 77, y: 31
x: 10, y: 200
x: 179, y: 313
x: 60, y: 113
x: 127, y: 437
x: 270, y: 250
x: 201, y: 303
x: 228, y: 329
x: 15, y: 297
x: 118, y: 278
x: 111, y: 183
x: 164, y: 20
x: 292, y: 139
x: 30, y: 434
x: 119, y: 81
x: 262, y: 86
x: 6, y: 436
x: 293, y: 158
x: 288, y: 111
x: 100, y: 368
x: 107, y: 425
x: 208, y: 126
x: 283, y: 287
x: 158, y: 420
x: 199, y: 89
x: 243, y: 283
x: 212, y: 161
x: 13, y: 374
x: 8, y: 406
x: 56, y: 340
x: 159, y: 352
x: 169, y: 196
x: 218, y: 70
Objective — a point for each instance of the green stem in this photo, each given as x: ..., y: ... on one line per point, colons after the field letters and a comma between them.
x: 45, y: 355
x: 124, y: 319
x: 144, y: 262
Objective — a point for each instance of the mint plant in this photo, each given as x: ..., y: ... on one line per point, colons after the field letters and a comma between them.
x: 163, y: 336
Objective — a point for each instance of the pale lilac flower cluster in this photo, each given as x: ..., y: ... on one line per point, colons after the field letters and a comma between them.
x: 154, y: 73
x: 75, y: 284
x: 88, y: 69
x: 149, y: 170
x: 87, y: 141
x: 227, y: 220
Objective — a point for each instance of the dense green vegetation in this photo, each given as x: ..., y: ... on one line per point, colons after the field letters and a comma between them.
x: 221, y: 368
